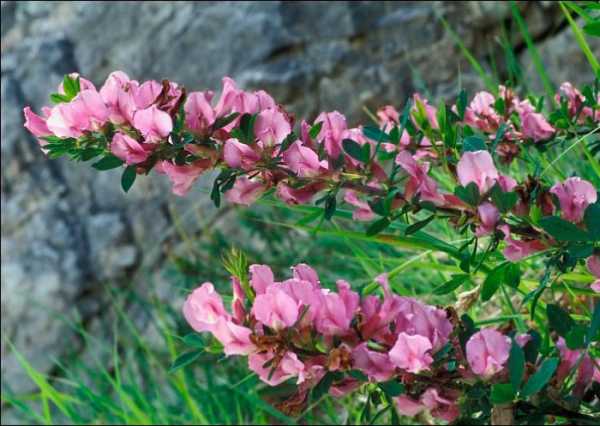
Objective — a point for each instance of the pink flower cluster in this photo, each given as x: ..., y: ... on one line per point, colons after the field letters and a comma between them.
x: 296, y: 329
x: 252, y: 136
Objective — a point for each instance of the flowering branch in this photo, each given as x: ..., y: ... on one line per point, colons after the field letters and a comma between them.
x: 420, y: 357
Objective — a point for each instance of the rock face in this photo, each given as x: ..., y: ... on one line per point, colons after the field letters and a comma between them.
x: 66, y: 230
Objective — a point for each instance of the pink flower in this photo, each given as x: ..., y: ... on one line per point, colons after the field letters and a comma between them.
x: 507, y: 184
x: 183, y: 177
x: 146, y: 94
x: 388, y: 117
x: 481, y: 114
x: 203, y: 308
x: 477, y: 167
x: 574, y: 195
x: 128, y: 149
x: 337, y: 310
x: 229, y: 94
x: 574, y: 97
x: 420, y: 182
x: 245, y: 191
x: 275, y: 308
x: 535, y: 126
x: 363, y: 211
x: 375, y: 365
x: 586, y: 371
x: 305, y: 273
x: 331, y: 132
x: 518, y: 249
x: 117, y: 94
x: 153, y: 123
x: 289, y: 366
x: 488, y: 217
x: 234, y: 338
x: 522, y: 339
x: 261, y: 277
x: 593, y: 264
x: 239, y: 155
x: 36, y: 125
x: 297, y: 195
x: 441, y: 408
x: 271, y: 127
x: 305, y: 294
x: 407, y: 406
x: 417, y: 318
x: 85, y: 112
x: 303, y: 161
x: 430, y: 111
x: 237, y: 303
x: 199, y: 113
x: 487, y: 352
x: 411, y: 353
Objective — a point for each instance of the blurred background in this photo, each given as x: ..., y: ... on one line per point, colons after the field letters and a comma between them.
x: 92, y: 279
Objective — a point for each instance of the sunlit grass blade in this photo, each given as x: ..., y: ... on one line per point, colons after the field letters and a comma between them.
x: 583, y: 44
x: 483, y: 74
x: 533, y: 51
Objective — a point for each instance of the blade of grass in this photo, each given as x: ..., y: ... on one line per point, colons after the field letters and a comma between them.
x: 489, y: 83
x: 533, y: 51
x: 585, y: 48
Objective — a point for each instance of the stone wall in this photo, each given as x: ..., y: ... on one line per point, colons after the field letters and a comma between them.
x: 66, y: 230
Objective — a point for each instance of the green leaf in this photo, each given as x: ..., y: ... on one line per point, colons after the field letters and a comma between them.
x: 559, y: 319
x: 53, y: 139
x: 592, y: 334
x: 411, y: 229
x: 576, y: 337
x: 194, y: 340
x: 184, y: 359
x: 128, y: 177
x: 287, y: 142
x: 215, y: 194
x: 516, y: 365
x: 378, y: 226
x: 492, y: 282
x: 500, y: 106
x: 356, y: 151
x: 502, y: 393
x: 504, y: 201
x: 512, y: 275
x: 330, y: 206
x: 57, y: 98
x: 532, y: 347
x: 456, y: 281
x: 324, y: 384
x: 469, y: 194
x: 592, y: 221
x: 392, y: 388
x: 541, y: 377
x: 461, y: 104
x: 376, y: 134
x: 247, y: 127
x: 358, y: 375
x: 108, y: 162
x: 224, y: 121
x: 395, y: 135
x: 71, y: 86
x: 562, y: 230
x: 592, y: 28
x: 315, y: 130
x: 473, y: 143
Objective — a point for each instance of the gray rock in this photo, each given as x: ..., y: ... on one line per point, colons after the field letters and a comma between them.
x: 66, y: 229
